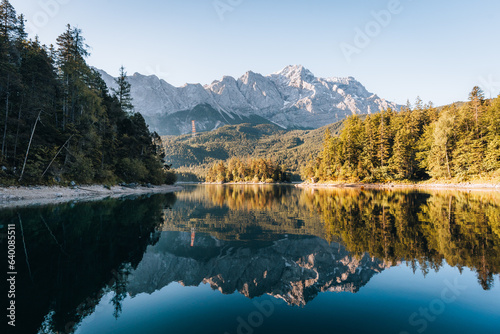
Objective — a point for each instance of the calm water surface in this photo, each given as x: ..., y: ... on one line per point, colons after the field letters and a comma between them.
x: 261, y: 259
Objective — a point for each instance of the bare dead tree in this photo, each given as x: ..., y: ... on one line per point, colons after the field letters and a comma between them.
x: 29, y: 145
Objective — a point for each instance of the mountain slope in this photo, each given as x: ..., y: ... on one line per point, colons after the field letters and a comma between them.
x: 207, y: 119
x: 291, y: 98
x: 290, y: 147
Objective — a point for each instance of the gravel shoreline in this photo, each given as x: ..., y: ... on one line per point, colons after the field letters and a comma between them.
x: 41, y: 195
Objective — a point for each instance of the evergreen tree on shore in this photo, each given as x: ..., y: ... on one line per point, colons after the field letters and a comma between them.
x: 254, y: 170
x: 458, y: 142
x: 123, y: 92
x: 59, y: 122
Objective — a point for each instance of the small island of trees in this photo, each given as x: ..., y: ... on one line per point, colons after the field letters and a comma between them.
x: 253, y: 170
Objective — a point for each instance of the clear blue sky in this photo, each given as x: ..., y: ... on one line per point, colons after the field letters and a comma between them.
x: 437, y: 50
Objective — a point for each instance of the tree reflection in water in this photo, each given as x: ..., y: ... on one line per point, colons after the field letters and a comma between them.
x: 423, y: 228
x: 80, y: 252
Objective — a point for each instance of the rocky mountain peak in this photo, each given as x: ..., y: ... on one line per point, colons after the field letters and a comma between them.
x: 292, y: 98
x: 295, y: 72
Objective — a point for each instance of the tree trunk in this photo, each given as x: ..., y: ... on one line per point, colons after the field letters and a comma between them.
x: 67, y: 141
x: 29, y: 145
x: 17, y: 133
x: 6, y: 119
x: 64, y: 115
x: 447, y: 160
x: 382, y: 140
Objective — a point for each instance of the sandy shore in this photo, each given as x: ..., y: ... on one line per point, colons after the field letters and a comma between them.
x: 28, y: 196
x: 424, y: 185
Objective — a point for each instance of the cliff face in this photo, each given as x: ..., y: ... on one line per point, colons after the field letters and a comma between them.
x: 291, y: 98
x: 294, y: 269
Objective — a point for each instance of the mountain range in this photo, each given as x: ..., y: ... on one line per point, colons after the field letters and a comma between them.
x: 293, y: 98
x: 292, y: 268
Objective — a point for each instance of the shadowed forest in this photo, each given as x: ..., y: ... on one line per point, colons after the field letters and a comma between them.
x: 60, y: 123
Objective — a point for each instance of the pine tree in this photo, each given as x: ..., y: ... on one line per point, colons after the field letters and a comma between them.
x: 123, y: 91
x: 440, y: 164
x: 22, y: 35
x: 476, y: 98
x: 58, y: 121
x: 402, y: 153
x: 8, y: 21
x: 414, y: 144
x: 370, y: 148
x: 384, y: 138
x: 327, y: 156
x: 9, y: 63
x: 491, y: 162
x: 352, y: 143
x: 70, y: 60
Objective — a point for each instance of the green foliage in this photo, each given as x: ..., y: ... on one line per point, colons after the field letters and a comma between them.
x: 206, y: 117
x: 59, y: 116
x: 192, y: 157
x: 253, y: 170
x: 170, y: 177
x: 132, y: 169
x: 460, y: 142
x: 123, y: 92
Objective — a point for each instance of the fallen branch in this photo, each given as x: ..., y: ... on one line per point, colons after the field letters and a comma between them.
x: 29, y: 145
x: 67, y: 141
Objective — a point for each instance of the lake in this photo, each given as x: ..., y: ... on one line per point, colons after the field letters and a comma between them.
x: 260, y: 259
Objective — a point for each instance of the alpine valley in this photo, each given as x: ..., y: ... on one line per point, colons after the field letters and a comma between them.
x: 293, y: 98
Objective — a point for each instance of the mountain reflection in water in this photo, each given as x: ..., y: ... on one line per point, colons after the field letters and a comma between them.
x: 425, y: 229
x: 294, y: 269
x: 289, y: 243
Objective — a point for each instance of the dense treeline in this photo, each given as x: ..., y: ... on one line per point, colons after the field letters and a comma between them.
x: 253, y: 170
x: 58, y: 120
x: 460, y: 142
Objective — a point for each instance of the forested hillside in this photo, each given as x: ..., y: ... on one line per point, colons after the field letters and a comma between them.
x: 457, y: 142
x: 59, y: 122
x: 193, y: 157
